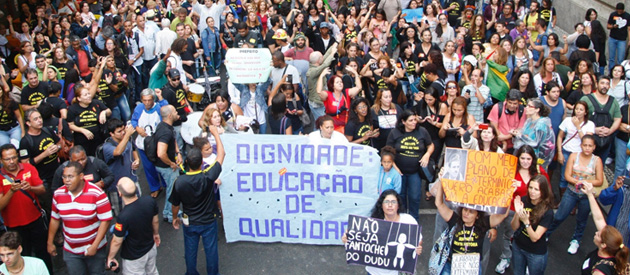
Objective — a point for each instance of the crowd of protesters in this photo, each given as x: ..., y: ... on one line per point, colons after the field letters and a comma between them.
x: 83, y: 85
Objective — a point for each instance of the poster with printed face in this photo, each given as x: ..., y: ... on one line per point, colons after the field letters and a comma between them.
x: 248, y: 65
x: 293, y: 189
x: 382, y: 244
x: 479, y: 180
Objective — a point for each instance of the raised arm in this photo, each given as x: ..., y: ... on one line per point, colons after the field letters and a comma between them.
x: 442, y: 208
x: 323, y: 95
x: 598, y: 217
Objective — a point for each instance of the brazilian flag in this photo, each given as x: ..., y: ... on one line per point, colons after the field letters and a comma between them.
x: 497, y: 81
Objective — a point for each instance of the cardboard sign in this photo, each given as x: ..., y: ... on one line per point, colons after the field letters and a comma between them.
x: 465, y: 264
x: 382, y: 244
x: 246, y: 66
x: 479, y: 180
x: 292, y: 189
x: 410, y: 14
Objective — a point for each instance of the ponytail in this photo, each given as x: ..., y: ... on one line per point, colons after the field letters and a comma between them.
x: 613, y: 240
x: 621, y: 260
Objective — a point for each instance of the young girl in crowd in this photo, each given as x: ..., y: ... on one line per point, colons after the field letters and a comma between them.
x: 388, y: 178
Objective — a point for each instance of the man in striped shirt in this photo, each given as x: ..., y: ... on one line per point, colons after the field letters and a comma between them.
x: 86, y: 213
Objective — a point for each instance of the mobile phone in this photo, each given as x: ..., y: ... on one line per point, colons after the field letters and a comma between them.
x: 483, y: 126
x: 290, y: 78
x: 578, y: 186
x: 626, y: 181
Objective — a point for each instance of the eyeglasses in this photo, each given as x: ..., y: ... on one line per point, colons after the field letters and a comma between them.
x: 392, y: 202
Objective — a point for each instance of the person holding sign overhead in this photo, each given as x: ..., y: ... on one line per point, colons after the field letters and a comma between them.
x: 467, y: 228
x: 533, y: 215
x: 388, y: 207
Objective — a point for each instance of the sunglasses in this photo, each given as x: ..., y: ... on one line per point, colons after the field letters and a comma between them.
x: 176, y: 79
x: 451, y: 86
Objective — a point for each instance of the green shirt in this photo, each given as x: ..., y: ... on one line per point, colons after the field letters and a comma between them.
x: 158, y: 78
x: 615, y: 110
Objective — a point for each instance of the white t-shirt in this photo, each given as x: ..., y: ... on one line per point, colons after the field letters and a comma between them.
x: 569, y: 129
x: 277, y: 73
x: 404, y: 218
x: 337, y: 138
x: 253, y: 111
x: 32, y: 266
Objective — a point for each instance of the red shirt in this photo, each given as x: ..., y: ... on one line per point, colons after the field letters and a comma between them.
x: 83, y: 63
x: 338, y: 109
x: 20, y: 210
x: 81, y: 216
x: 521, y: 190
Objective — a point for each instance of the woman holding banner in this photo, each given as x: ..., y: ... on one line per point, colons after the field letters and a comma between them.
x: 534, y: 214
x: 413, y: 145
x: 526, y: 170
x: 388, y: 207
x: 467, y: 228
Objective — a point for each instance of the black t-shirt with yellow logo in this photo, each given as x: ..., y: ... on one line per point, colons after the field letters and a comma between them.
x: 107, y: 95
x: 7, y: 116
x: 410, y: 147
x: 30, y: 95
x: 176, y: 96
x: 32, y: 146
x: 87, y: 117
x: 63, y: 68
x: 522, y: 238
x: 467, y: 239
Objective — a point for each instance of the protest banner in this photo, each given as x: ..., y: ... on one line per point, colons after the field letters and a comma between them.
x: 248, y: 65
x: 465, y: 264
x: 294, y: 189
x: 411, y: 14
x: 479, y: 180
x: 383, y: 244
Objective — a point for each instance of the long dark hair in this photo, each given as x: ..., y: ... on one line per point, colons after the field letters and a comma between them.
x: 353, y: 114
x: 530, y: 91
x: 494, y: 143
x: 585, y: 105
x: 406, y: 114
x: 526, y: 149
x: 480, y: 221
x: 422, y: 105
x: 278, y: 106
x: 546, y: 199
x: 436, y: 58
x: 377, y: 211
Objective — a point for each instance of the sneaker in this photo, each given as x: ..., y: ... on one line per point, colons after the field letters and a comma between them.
x: 573, y: 247
x: 502, y: 266
x: 527, y: 270
x: 609, y: 161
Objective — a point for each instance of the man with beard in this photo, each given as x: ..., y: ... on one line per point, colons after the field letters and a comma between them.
x: 301, y: 50
x: 601, y: 98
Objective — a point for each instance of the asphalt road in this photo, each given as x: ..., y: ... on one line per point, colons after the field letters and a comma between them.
x: 279, y: 258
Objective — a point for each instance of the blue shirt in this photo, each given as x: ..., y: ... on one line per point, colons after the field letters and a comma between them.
x: 389, y: 180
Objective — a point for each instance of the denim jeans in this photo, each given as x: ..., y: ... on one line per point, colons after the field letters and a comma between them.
x: 522, y: 260
x: 14, y: 135
x: 318, y: 112
x: 153, y: 178
x: 620, y: 157
x: 80, y: 264
x: 504, y: 239
x: 214, y: 63
x: 123, y: 108
x: 208, y: 233
x: 180, y: 141
x: 618, y: 46
x: 147, y: 65
x: 569, y: 200
x: 563, y: 181
x: 603, y: 152
x: 411, y: 193
x: 137, y: 83
x: 169, y: 177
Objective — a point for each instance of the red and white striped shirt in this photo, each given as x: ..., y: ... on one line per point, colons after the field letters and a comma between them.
x: 81, y: 216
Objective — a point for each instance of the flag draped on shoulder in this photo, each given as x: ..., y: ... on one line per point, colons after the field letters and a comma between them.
x: 497, y: 81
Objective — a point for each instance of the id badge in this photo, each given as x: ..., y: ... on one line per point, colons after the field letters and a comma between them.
x: 465, y: 264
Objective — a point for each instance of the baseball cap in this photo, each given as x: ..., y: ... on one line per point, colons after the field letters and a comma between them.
x: 173, y: 73
x: 324, y: 25
x: 471, y: 59
x: 620, y: 6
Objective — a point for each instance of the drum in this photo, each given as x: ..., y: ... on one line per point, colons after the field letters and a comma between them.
x: 211, y: 80
x: 195, y: 93
x: 190, y: 128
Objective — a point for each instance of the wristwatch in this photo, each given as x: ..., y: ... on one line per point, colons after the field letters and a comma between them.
x: 527, y: 225
x: 628, y: 127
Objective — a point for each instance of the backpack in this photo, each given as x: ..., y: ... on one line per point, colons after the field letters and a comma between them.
x: 150, y: 147
x: 108, y: 20
x: 441, y: 250
x: 101, y: 155
x: 521, y: 109
x: 601, y: 117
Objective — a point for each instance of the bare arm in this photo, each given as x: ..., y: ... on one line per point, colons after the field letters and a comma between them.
x: 444, y: 211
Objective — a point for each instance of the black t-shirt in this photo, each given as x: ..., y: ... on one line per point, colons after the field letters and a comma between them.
x: 227, y: 38
x: 63, y: 68
x: 33, y: 146
x: 166, y: 134
x: 409, y: 66
x: 88, y: 117
x: 275, y: 124
x: 624, y: 119
x: 456, y: 12
x: 176, y: 96
x: 467, y: 239
x: 546, y: 14
x: 357, y: 130
x: 30, y: 95
x: 621, y: 20
x: 522, y: 238
x: 195, y: 191
x: 41, y: 49
x: 574, y: 97
x: 595, y: 262
x: 269, y: 39
x: 134, y: 223
x: 296, y: 123
x: 250, y: 38
x: 410, y: 147
x: 7, y: 116
x: 385, y: 121
x: 107, y: 95
x: 57, y: 103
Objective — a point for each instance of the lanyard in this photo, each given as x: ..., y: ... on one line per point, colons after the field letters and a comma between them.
x: 466, y: 238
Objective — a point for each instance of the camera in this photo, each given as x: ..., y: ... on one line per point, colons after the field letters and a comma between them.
x: 290, y: 79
